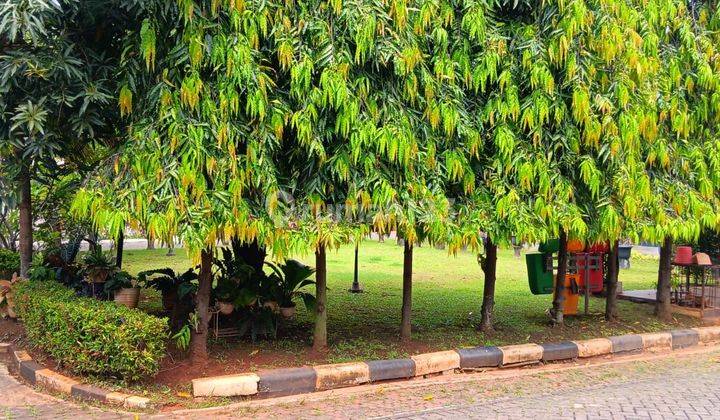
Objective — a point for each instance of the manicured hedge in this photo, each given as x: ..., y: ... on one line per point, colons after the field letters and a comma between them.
x: 90, y: 336
x: 9, y: 263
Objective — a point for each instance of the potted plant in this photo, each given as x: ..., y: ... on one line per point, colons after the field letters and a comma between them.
x: 97, y: 267
x: 169, y: 283
x: 122, y: 286
x: 238, y: 284
x: 291, y: 277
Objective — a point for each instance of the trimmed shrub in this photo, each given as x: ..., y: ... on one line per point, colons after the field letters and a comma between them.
x: 9, y: 263
x: 89, y: 336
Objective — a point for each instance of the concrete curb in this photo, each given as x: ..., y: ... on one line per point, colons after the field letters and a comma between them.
x: 36, y: 374
x: 283, y: 382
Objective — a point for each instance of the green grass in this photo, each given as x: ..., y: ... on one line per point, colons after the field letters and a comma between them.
x: 447, y: 293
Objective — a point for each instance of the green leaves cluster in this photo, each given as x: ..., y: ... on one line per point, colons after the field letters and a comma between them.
x: 89, y: 336
x: 301, y: 122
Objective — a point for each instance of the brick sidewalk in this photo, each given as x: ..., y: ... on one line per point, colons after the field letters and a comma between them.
x: 17, y: 401
x: 676, y: 387
x: 682, y: 386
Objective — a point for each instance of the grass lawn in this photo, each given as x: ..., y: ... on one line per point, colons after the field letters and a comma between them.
x: 447, y: 294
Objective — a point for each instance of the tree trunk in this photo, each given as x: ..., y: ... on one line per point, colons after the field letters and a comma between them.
x: 559, y: 299
x: 198, y: 342
x: 150, y: 242
x: 662, y: 306
x: 611, y: 310
x: 119, y: 246
x: 320, y: 333
x: 489, y: 268
x: 25, y: 210
x: 405, y: 326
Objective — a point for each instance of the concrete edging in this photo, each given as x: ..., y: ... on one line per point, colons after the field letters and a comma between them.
x: 36, y: 374
x: 283, y: 382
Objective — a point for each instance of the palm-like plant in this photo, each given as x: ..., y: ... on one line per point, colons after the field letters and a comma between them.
x: 290, y: 277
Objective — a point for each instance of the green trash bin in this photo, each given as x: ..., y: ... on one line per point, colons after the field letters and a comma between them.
x: 541, y: 280
x: 550, y: 247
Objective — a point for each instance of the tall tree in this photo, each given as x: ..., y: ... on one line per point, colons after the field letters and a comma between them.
x: 56, y: 78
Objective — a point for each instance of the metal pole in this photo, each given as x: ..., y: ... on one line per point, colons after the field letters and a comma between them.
x: 356, y: 283
x: 587, y: 283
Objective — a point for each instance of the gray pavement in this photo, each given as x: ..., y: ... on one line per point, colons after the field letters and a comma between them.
x: 682, y: 385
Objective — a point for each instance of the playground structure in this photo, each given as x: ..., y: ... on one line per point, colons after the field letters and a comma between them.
x: 585, y: 274
x: 695, y: 287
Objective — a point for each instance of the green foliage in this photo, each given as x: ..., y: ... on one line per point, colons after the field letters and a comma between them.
x: 166, y: 280
x: 118, y: 280
x: 290, y: 277
x: 88, y: 336
x: 9, y: 263
x: 98, y: 265
x: 182, y: 337
x: 438, y: 120
x: 39, y: 270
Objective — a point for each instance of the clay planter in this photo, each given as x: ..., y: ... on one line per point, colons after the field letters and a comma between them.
x: 288, y: 313
x: 226, y: 308
x: 128, y: 297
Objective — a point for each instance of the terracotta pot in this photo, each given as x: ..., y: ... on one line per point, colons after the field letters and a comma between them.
x: 226, y: 308
x: 288, y: 312
x: 128, y: 297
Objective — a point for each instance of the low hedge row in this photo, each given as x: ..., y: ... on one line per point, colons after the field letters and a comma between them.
x: 9, y: 263
x: 90, y: 336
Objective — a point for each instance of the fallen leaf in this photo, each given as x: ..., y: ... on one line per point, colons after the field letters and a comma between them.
x: 428, y: 397
x: 254, y: 352
x: 184, y: 395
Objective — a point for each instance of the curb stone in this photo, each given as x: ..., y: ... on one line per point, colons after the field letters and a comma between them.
x: 291, y: 381
x: 283, y: 382
x: 684, y: 338
x: 480, y: 357
x: 521, y: 353
x: 340, y: 375
x: 657, y: 341
x: 227, y: 385
x: 439, y: 361
x: 566, y: 350
x: 626, y: 343
x: 383, y: 370
x: 36, y: 374
x: 708, y: 334
x: 594, y: 347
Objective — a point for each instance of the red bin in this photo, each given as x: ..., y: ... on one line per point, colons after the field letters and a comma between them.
x: 683, y: 255
x: 595, y: 272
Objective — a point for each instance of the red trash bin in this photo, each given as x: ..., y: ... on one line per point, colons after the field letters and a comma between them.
x: 595, y: 272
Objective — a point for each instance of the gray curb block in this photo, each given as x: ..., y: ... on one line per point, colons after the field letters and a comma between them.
x: 282, y: 382
x: 36, y: 374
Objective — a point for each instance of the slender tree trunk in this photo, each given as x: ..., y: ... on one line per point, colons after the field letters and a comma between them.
x: 150, y: 242
x: 611, y: 310
x: 405, y: 326
x: 198, y: 343
x: 559, y: 300
x: 489, y: 268
x: 320, y: 334
x: 25, y: 209
x: 662, y: 306
x: 119, y: 246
